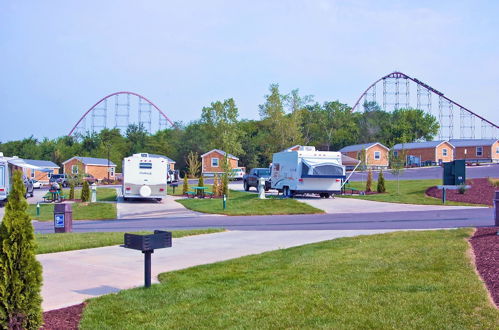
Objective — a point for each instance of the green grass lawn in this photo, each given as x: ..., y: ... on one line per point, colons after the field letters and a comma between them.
x: 243, y: 203
x: 103, y: 194
x: 81, y: 211
x: 49, y: 243
x: 404, y: 280
x: 411, y: 192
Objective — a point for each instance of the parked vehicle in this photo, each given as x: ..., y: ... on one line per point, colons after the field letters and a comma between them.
x: 36, y: 184
x: 251, y: 179
x: 144, y: 176
x: 61, y: 179
x: 237, y: 173
x: 307, y: 171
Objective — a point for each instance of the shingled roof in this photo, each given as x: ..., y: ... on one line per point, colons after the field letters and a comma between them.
x: 92, y: 161
x: 359, y: 147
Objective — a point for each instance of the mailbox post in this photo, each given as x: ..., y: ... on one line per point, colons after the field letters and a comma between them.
x: 63, y: 218
x: 93, y: 197
x: 147, y: 243
x: 261, y: 188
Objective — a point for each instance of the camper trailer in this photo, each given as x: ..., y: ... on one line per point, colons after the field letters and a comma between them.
x: 4, y: 179
x: 7, y: 166
x: 144, y: 176
x: 307, y: 171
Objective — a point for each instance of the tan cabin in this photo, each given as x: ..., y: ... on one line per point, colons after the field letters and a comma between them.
x: 425, y: 153
x: 48, y: 167
x: 211, y: 162
x: 96, y: 167
x: 476, y: 150
x: 376, y: 154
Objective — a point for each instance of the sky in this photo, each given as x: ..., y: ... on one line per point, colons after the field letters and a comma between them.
x: 59, y: 57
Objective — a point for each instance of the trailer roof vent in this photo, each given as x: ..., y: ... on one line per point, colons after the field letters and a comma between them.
x: 307, y: 148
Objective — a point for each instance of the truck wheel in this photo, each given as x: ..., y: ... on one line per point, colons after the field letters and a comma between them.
x: 287, y: 193
x: 245, y: 185
x: 326, y: 195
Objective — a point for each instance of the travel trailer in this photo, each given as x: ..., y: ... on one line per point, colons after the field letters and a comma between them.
x: 144, y: 176
x: 307, y: 171
x: 4, y: 179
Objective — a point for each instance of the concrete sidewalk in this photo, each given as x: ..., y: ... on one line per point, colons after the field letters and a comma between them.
x: 71, y: 277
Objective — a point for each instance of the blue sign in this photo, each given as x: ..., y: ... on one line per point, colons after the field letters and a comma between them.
x: 59, y: 220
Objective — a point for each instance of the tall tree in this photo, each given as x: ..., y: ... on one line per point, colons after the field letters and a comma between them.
x: 137, y: 137
x: 20, y: 272
x: 221, y: 120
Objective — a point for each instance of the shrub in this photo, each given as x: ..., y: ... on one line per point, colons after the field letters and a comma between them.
x: 381, y: 183
x: 85, y: 192
x: 369, y: 181
x: 462, y: 189
x: 71, y: 191
x: 494, y: 182
x: 225, y: 184
x: 20, y: 272
x: 215, y: 189
x: 185, y: 185
x: 201, y: 181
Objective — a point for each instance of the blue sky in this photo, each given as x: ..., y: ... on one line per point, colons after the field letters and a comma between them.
x: 60, y: 57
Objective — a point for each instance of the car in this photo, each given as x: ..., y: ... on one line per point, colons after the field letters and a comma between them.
x: 29, y: 186
x: 237, y: 174
x: 251, y: 179
x: 61, y: 179
x: 36, y: 184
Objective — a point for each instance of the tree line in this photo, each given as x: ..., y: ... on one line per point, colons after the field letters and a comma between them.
x: 285, y: 120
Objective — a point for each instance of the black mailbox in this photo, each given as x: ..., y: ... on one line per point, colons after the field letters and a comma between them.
x: 160, y: 239
x: 147, y: 243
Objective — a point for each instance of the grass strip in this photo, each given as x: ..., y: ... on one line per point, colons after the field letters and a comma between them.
x: 103, y: 194
x: 50, y: 243
x: 81, y: 211
x: 411, y: 192
x: 243, y: 203
x: 402, y: 280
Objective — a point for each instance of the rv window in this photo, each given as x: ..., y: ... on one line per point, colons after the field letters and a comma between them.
x: 304, y: 169
x: 145, y: 165
x: 2, y: 176
x: 328, y: 170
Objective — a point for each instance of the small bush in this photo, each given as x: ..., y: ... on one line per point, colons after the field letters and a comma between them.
x: 381, y: 183
x: 71, y: 191
x: 494, y: 182
x: 215, y: 189
x: 462, y: 189
x: 369, y: 181
x: 185, y: 185
x: 225, y: 184
x: 201, y: 181
x: 85, y: 192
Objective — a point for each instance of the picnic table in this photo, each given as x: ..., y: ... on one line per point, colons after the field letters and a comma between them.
x: 200, y: 191
x: 53, y: 196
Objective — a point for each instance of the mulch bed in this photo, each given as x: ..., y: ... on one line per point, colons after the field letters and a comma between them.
x: 63, y: 318
x: 485, y: 243
x: 480, y: 192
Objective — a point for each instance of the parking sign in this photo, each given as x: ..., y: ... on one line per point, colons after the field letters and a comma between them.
x: 59, y: 220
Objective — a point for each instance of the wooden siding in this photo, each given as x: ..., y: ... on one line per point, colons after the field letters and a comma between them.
x: 206, y: 162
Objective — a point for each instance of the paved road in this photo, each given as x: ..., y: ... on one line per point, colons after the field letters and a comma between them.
x: 345, y: 221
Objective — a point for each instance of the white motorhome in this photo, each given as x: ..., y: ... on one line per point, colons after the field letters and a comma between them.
x: 144, y: 176
x: 307, y: 170
x: 4, y: 179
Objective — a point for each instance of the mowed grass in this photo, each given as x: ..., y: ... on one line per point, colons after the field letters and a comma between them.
x: 403, y: 280
x: 243, y: 203
x: 49, y: 243
x: 411, y: 192
x: 81, y: 211
x: 103, y: 194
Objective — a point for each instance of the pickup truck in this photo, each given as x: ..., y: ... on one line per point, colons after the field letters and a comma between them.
x: 251, y: 179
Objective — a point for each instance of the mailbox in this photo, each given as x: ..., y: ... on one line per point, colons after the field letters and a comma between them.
x: 147, y: 244
x: 160, y: 239
x: 63, y: 218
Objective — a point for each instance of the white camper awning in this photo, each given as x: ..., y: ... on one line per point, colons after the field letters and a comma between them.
x: 21, y: 163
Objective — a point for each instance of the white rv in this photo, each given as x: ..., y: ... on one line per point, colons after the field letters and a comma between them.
x: 306, y: 170
x: 144, y: 176
x: 4, y: 179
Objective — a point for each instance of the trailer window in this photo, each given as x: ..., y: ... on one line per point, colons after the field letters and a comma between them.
x: 145, y: 165
x: 2, y: 176
x: 321, y: 170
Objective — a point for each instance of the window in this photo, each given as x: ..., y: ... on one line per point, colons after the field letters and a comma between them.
x: 32, y: 174
x: 2, y: 176
x: 497, y: 150
x: 479, y: 151
x: 396, y: 153
x: 49, y: 174
x: 214, y: 162
x: 145, y: 165
x: 377, y: 155
x: 111, y: 171
x: 444, y: 152
x: 74, y: 169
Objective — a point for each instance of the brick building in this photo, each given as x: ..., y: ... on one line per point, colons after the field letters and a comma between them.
x: 211, y: 162
x: 376, y: 154
x: 476, y: 150
x: 426, y: 153
x: 97, y: 167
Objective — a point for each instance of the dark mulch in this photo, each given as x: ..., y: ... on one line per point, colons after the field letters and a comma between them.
x: 67, y: 318
x: 485, y: 245
x: 480, y: 192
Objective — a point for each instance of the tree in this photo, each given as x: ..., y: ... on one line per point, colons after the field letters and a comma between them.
x: 85, y: 192
x: 215, y: 189
x: 193, y: 164
x: 20, y: 272
x: 71, y: 190
x: 225, y: 175
x: 397, y: 163
x: 137, y: 137
x: 221, y: 120
x: 409, y: 125
x: 185, y: 185
x: 381, y: 183
x: 200, y: 184
x: 362, y: 157
x: 369, y: 181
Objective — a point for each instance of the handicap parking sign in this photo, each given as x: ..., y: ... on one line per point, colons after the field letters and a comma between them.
x: 59, y: 220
